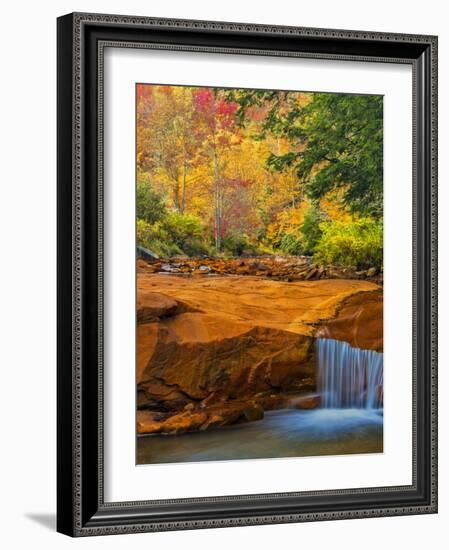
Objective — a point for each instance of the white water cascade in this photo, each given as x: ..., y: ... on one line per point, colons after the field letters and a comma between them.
x: 348, y: 377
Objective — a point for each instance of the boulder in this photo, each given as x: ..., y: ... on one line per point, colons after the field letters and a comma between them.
x: 293, y: 268
x: 148, y: 422
x: 359, y: 321
x: 145, y: 253
x: 194, y: 356
x: 306, y: 402
x: 153, y: 305
x: 194, y: 419
x: 311, y: 273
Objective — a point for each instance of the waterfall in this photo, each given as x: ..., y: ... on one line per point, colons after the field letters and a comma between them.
x: 348, y: 377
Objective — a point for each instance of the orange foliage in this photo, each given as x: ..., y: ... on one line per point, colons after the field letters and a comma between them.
x: 196, y: 155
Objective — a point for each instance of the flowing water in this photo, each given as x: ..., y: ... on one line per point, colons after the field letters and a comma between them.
x: 285, y: 433
x: 348, y: 377
x: 350, y: 420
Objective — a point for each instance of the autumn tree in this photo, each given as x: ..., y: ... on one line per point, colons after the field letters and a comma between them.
x: 256, y: 171
x: 167, y: 140
x: 215, y: 117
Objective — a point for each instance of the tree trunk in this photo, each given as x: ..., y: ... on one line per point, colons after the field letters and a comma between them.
x: 176, y: 192
x: 217, y: 209
x: 184, y: 178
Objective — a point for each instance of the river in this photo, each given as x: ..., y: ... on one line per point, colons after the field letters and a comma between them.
x: 285, y: 433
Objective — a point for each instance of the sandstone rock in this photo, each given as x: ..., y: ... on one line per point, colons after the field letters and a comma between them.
x: 231, y: 347
x: 214, y: 420
x: 259, y: 266
x: 193, y: 359
x: 311, y: 273
x: 193, y: 419
x: 335, y: 273
x: 289, y: 269
x: 253, y: 412
x: 184, y: 422
x: 359, y: 321
x: 289, y: 400
x: 141, y: 264
x: 298, y: 277
x: 372, y: 271
x: 250, y: 301
x: 306, y: 402
x: 148, y: 422
x: 153, y: 305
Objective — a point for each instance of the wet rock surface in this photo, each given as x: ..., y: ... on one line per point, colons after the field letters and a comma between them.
x: 358, y: 322
x: 289, y: 269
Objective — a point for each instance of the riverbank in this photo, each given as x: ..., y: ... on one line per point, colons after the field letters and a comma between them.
x: 278, y: 268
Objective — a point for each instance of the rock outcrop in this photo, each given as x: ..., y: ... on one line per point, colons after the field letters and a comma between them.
x: 198, y: 419
x: 222, y: 349
x: 359, y: 321
x: 279, y: 268
x: 188, y: 361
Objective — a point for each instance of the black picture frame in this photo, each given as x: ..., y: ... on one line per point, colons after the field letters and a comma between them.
x: 81, y: 509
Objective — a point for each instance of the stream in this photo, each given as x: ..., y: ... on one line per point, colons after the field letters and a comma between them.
x: 284, y: 433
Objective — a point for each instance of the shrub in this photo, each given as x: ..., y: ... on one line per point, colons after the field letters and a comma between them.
x: 235, y: 244
x: 187, y: 232
x: 175, y: 234
x: 156, y: 239
x: 291, y: 244
x: 356, y: 243
x: 150, y: 206
x: 311, y: 229
x: 196, y: 247
x: 298, y: 230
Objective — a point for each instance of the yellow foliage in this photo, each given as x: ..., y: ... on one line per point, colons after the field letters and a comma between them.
x: 288, y: 221
x: 332, y: 205
x: 218, y: 171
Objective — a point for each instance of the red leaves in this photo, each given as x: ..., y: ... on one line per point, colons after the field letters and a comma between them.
x: 143, y: 91
x: 214, y: 109
x: 191, y: 145
x: 203, y: 99
x: 225, y: 111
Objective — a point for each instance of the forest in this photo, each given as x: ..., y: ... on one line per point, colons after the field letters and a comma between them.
x: 236, y: 172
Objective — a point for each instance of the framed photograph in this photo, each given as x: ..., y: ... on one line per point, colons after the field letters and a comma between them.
x: 247, y: 288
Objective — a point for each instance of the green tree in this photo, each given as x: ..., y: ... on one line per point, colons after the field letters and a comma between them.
x: 311, y: 229
x: 336, y: 141
x: 150, y: 206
